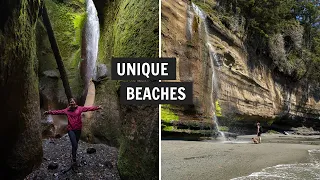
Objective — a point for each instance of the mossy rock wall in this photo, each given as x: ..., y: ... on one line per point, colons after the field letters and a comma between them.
x: 128, y: 29
x: 67, y: 19
x: 21, y: 148
x: 139, y: 143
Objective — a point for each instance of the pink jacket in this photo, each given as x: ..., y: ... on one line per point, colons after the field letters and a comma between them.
x: 74, y: 117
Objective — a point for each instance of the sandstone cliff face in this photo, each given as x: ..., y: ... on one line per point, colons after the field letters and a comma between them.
x: 178, y: 42
x: 21, y: 148
x: 247, y: 89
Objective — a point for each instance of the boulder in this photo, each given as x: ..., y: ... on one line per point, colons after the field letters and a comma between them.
x: 101, y: 72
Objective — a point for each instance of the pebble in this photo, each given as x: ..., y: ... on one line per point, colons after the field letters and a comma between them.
x: 53, y: 166
x: 91, y: 150
x: 101, y: 164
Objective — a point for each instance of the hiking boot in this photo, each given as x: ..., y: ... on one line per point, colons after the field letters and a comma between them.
x: 74, y: 166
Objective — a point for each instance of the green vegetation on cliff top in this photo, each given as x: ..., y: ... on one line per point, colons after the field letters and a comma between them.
x: 285, y: 31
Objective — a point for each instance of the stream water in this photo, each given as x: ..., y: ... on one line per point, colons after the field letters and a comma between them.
x: 213, y: 59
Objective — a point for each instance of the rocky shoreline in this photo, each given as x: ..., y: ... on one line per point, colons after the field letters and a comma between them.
x: 95, y: 161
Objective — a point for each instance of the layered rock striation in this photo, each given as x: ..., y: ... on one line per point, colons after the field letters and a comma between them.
x: 248, y: 88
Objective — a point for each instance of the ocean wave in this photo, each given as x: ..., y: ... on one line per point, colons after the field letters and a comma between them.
x: 299, y: 171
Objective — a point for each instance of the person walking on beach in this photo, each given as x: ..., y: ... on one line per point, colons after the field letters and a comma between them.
x: 73, y: 112
x: 259, y: 132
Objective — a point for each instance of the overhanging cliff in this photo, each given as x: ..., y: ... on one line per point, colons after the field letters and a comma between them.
x: 248, y: 88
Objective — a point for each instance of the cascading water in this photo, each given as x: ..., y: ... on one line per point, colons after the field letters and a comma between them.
x: 288, y: 102
x: 91, y: 42
x: 190, y: 17
x: 92, y: 34
x: 213, y: 58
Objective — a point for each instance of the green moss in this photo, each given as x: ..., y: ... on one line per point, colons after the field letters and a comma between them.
x: 218, y: 109
x: 168, y: 128
x: 19, y: 84
x: 76, y: 59
x: 270, y: 122
x: 62, y: 24
x: 136, y: 30
x: 78, y: 24
x: 167, y: 114
x: 106, y: 41
x: 205, y: 6
x: 67, y: 21
x: 223, y: 128
x: 272, y: 132
x: 129, y: 29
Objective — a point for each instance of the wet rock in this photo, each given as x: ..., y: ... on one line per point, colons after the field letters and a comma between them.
x: 91, y: 150
x: 53, y: 166
x: 108, y: 164
x: 51, y: 73
x: 101, y: 72
x: 57, y: 136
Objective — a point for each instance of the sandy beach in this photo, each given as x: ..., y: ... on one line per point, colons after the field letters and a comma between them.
x: 217, y: 160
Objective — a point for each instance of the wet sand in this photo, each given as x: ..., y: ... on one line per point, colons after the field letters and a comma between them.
x: 216, y: 160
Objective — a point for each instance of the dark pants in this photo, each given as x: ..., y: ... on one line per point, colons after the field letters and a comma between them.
x: 74, y: 136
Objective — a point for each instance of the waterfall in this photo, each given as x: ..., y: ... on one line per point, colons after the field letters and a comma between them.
x: 90, y: 41
x: 92, y: 34
x: 213, y: 59
x: 288, y: 102
x: 190, y: 18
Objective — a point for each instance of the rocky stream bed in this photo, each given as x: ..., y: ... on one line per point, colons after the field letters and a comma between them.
x: 95, y: 161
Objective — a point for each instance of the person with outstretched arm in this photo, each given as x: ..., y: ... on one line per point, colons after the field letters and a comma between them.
x: 74, y: 127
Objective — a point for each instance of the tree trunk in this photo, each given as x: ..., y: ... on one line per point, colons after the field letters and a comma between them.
x: 56, y: 52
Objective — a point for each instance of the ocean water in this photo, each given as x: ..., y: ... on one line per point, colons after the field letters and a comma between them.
x: 301, y: 171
